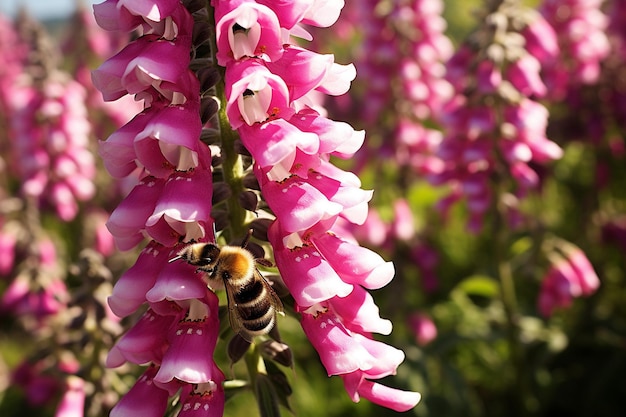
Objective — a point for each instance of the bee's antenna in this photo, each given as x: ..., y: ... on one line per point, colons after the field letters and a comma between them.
x: 247, y: 238
x: 175, y: 258
x: 214, y: 232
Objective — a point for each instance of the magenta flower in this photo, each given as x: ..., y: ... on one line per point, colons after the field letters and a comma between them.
x: 251, y: 30
x: 479, y: 135
x: 423, y: 328
x: 8, y: 241
x: 206, y: 399
x: 254, y: 94
x: 570, y: 276
x: 144, y: 398
x: 50, y: 132
x: 73, y: 401
x: 190, y: 342
x: 358, y: 386
x: 582, y: 39
x: 144, y: 343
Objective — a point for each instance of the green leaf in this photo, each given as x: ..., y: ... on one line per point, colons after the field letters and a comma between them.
x: 479, y: 285
x: 266, y: 396
x: 280, y: 383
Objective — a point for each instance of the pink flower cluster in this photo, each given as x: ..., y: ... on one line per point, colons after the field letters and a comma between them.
x: 170, y: 204
x: 570, y: 276
x: 581, y: 27
x: 402, y: 58
x: 505, y: 137
x: 270, y: 89
x: 39, y: 291
x: 51, y: 137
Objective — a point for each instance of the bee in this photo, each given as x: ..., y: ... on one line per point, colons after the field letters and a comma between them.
x: 252, y: 302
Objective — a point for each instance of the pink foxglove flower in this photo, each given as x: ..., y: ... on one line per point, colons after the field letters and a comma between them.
x: 306, y: 193
x: 580, y: 26
x: 479, y: 135
x: 274, y: 110
x: 144, y: 398
x: 73, y: 401
x: 423, y: 328
x: 170, y: 204
x: 51, y: 142
x: 570, y: 276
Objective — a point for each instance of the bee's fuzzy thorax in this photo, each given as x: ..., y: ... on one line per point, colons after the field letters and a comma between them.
x: 238, y: 261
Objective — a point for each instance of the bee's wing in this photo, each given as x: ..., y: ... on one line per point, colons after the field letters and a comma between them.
x: 274, y: 298
x: 233, y: 314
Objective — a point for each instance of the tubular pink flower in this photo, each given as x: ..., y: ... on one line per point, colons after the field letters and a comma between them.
x: 343, y: 352
x: 276, y: 141
x: 541, y: 39
x: 337, y: 138
x: 254, y: 94
x: 423, y: 327
x: 558, y: 288
x: 359, y: 313
x: 128, y: 220
x: 140, y: 66
x: 525, y: 176
x: 304, y: 71
x: 189, y: 357
x: 589, y: 281
x: 8, y: 242
x: 145, y: 342
x: 309, y: 277
x: 524, y: 75
x: 530, y: 120
x: 289, y: 12
x: 403, y: 226
x: 583, y: 42
x: 130, y: 289
x: 169, y: 141
x: 354, y: 264
x: 144, y: 398
x: 73, y: 401
x: 251, y: 30
x: 488, y: 77
x: 176, y: 282
x: 205, y: 400
x: 323, y: 13
x: 298, y: 204
x: 111, y: 17
x: 118, y: 151
x: 395, y: 399
x: 182, y: 208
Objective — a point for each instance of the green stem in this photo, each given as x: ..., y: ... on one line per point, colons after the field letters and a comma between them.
x: 254, y: 363
x: 232, y: 163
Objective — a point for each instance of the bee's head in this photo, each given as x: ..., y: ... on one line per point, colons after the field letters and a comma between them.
x: 202, y: 255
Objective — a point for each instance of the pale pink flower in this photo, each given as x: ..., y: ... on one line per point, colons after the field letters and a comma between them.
x: 8, y: 241
x: 570, y: 276
x: 73, y: 401
x: 50, y: 137
x: 580, y: 26
x: 423, y: 328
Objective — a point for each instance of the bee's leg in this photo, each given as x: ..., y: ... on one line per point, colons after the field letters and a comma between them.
x: 247, y: 238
